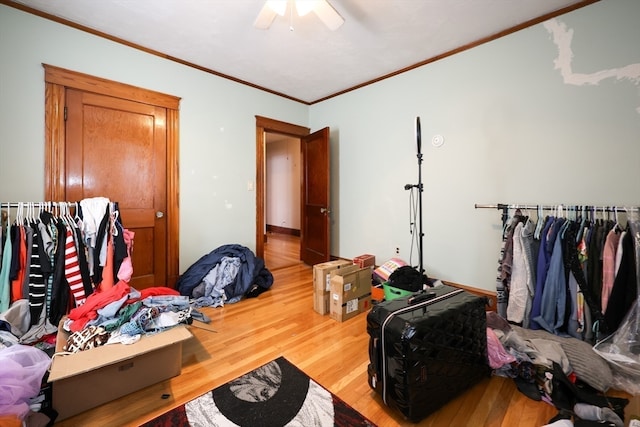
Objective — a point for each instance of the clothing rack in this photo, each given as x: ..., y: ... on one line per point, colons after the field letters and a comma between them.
x: 36, y: 204
x: 554, y: 207
x: 32, y: 205
x: 570, y: 208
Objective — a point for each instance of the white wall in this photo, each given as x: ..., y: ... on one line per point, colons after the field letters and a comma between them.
x: 283, y: 183
x: 217, y: 125
x: 516, y: 129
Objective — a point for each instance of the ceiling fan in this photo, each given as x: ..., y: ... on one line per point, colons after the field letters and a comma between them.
x: 321, y: 8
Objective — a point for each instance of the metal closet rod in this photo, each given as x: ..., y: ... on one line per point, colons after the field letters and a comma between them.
x: 503, y: 206
x: 36, y: 204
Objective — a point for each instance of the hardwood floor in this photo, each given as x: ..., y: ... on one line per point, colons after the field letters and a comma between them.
x: 281, y: 322
x: 281, y: 250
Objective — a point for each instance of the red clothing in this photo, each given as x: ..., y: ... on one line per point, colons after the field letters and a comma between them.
x: 16, y: 284
x: 107, y: 271
x: 158, y: 290
x: 89, y: 310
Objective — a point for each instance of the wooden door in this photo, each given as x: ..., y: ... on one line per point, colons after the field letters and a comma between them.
x: 116, y: 149
x: 315, y: 242
x: 119, y: 142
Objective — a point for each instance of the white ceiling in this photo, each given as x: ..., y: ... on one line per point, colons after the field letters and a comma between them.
x: 310, y: 63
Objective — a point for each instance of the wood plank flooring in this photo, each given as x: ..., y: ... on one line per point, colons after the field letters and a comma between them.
x: 281, y: 250
x: 281, y: 322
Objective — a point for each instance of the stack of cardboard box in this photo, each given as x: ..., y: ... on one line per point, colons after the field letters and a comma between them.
x: 322, y: 283
x: 342, y: 288
x: 350, y: 292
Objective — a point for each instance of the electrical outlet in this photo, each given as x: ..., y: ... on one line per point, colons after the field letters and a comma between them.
x: 397, y: 250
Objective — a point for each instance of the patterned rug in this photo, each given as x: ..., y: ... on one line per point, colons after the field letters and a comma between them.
x: 276, y: 394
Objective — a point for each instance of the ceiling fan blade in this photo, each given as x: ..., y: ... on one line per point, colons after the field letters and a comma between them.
x: 265, y: 17
x: 328, y: 15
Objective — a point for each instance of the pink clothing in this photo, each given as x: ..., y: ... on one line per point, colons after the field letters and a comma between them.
x: 126, y: 268
x: 609, y: 265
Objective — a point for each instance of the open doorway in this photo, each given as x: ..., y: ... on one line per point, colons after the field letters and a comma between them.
x: 266, y: 127
x: 314, y: 188
x: 282, y: 200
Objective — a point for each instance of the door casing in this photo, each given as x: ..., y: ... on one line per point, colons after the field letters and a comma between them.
x: 264, y: 124
x: 57, y: 80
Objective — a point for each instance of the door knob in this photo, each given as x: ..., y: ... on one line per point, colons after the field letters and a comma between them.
x: 159, y: 214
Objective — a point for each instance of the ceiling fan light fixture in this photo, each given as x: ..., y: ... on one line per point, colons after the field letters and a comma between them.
x: 325, y: 12
x: 303, y: 7
x: 278, y: 6
x: 328, y: 15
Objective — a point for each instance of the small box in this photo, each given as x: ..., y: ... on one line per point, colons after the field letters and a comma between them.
x: 377, y: 292
x: 350, y: 292
x: 89, y: 378
x: 321, y: 279
x: 384, y: 271
x: 322, y: 285
x: 352, y: 307
x: 366, y: 260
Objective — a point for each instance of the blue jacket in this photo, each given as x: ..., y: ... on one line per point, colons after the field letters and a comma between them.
x: 252, y: 271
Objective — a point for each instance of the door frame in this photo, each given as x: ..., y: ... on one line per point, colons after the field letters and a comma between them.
x: 264, y: 124
x: 56, y: 81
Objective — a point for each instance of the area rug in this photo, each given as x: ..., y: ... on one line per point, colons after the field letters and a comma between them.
x: 273, y: 395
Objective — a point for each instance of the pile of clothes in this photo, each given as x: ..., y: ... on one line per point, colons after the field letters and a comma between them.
x: 123, y: 314
x: 225, y: 275
x: 562, y: 371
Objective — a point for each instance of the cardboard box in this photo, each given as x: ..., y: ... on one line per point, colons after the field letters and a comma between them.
x: 377, y: 292
x: 351, y: 308
x: 366, y: 260
x: 89, y: 378
x: 321, y: 301
x: 322, y: 285
x: 321, y: 278
x: 350, y: 292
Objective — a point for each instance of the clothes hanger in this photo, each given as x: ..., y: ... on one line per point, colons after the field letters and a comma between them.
x: 8, y: 213
x: 616, y: 227
x: 20, y: 214
x: 70, y: 219
x: 539, y: 224
x: 114, y: 221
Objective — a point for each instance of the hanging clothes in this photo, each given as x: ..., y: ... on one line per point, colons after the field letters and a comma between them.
x: 625, y: 289
x: 552, y: 304
x: 585, y: 274
x: 5, y: 291
x: 609, y: 265
x: 44, y: 261
x: 37, y: 283
x: 504, y: 265
x: 522, y: 285
x: 547, y: 241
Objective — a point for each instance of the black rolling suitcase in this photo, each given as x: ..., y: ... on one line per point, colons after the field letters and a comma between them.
x: 426, y: 348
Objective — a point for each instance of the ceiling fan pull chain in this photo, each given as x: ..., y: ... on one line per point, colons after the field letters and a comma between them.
x: 291, y: 18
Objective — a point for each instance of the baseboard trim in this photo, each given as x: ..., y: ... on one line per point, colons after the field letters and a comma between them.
x: 491, y: 296
x: 283, y: 230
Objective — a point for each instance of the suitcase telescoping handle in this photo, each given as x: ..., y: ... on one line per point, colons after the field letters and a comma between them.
x: 420, y: 297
